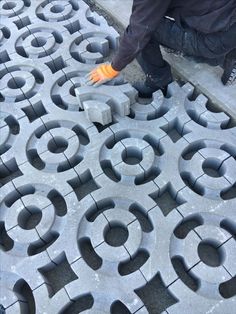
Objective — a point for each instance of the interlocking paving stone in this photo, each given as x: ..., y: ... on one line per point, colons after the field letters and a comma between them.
x: 100, y: 194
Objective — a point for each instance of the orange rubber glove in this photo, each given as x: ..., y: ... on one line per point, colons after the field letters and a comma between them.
x: 102, y: 74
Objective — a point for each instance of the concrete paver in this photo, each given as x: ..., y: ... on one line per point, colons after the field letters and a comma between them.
x: 127, y: 215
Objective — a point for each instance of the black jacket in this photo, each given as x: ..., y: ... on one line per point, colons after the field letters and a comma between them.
x: 206, y: 16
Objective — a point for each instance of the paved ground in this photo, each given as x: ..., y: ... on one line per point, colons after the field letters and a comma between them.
x: 134, y: 216
x: 204, y: 77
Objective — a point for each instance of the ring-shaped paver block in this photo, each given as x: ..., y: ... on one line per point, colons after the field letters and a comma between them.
x: 11, y: 8
x: 91, y: 50
x: 23, y: 81
x: 55, y: 11
x: 123, y: 219
x: 20, y: 6
x: 39, y: 41
x: 59, y: 147
x: 31, y: 217
x: 211, y: 170
x: 59, y: 94
x: 97, y: 282
x: 74, y: 15
x: 133, y: 159
x: 90, y: 47
x: 208, y: 273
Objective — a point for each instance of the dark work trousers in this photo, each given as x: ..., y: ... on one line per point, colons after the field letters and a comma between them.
x: 188, y: 41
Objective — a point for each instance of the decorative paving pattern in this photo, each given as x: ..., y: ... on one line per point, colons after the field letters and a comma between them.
x: 106, y: 205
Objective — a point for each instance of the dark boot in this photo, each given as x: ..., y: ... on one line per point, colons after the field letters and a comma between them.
x: 154, y: 82
x: 229, y: 75
x: 145, y: 91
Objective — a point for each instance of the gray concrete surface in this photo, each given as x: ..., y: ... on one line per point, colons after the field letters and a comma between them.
x: 204, y: 77
x: 137, y: 216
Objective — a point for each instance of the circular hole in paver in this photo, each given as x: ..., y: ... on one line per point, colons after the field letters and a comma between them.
x: 132, y: 156
x: 38, y: 42
x: 212, y: 168
x: 72, y: 91
x: 210, y: 253
x: 116, y: 234
x: 29, y: 218
x: 94, y: 48
x: 57, y: 8
x: 16, y: 82
x: 57, y: 145
x: 9, y: 6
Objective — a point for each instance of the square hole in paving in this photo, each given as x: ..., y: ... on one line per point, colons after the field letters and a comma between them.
x: 58, y: 274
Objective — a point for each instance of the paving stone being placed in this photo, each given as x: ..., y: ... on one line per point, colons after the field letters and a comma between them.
x: 206, y: 78
x: 107, y: 205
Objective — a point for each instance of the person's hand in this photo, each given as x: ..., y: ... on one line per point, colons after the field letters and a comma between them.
x: 102, y: 74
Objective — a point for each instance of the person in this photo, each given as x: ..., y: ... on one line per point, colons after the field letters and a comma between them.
x: 205, y: 29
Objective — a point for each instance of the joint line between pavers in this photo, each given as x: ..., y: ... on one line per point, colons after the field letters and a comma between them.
x: 70, y: 163
x: 27, y: 208
x: 231, y: 237
x: 143, y: 275
x: 182, y: 130
x: 49, y: 256
x: 157, y: 187
x: 64, y: 288
x: 44, y: 283
x: 16, y: 85
x: 179, y: 212
x: 194, y: 266
x: 99, y: 175
x: 14, y: 303
x: 117, y: 164
x: 106, y: 219
x: 18, y: 191
x: 166, y: 120
x: 16, y: 15
x: 135, y: 219
x: 197, y: 180
x: 11, y: 228
x: 185, y: 217
x: 151, y: 208
x: 63, y: 152
x: 187, y: 271
x: 40, y: 237
x: 94, y: 201
x: 179, y: 192
x: 232, y: 276
x: 76, y: 260
x: 222, y: 164
x: 127, y: 251
x: 9, y: 161
x: 32, y: 106
x: 143, y: 306
x: 201, y: 115
x: 178, y: 278
x: 113, y: 133
x: 123, y: 145
x: 78, y: 176
x: 189, y: 142
x: 228, y: 180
